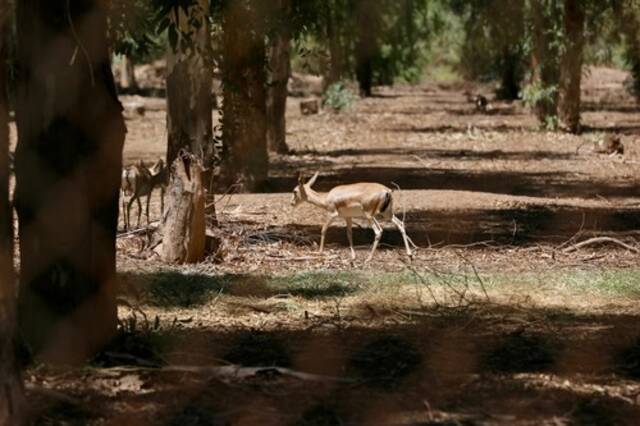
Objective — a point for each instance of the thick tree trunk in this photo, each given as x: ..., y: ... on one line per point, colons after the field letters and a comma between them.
x: 184, y: 224
x: 127, y: 75
x: 68, y: 164
x: 189, y: 86
x: 11, y: 397
x: 279, y: 57
x: 545, y: 70
x: 244, y: 98
x: 571, y: 66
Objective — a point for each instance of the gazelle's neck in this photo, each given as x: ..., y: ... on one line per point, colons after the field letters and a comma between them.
x: 318, y: 199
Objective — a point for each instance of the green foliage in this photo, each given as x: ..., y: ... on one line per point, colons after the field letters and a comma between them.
x: 339, y: 97
x: 131, y: 31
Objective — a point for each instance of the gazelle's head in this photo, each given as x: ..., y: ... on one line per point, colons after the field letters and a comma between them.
x: 300, y: 192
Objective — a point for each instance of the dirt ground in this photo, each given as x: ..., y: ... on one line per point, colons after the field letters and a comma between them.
x: 484, y: 326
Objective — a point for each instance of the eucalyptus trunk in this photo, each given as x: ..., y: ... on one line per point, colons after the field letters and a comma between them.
x: 128, y: 80
x: 244, y: 123
x: 189, y: 87
x: 279, y: 57
x: 571, y: 66
x: 67, y: 165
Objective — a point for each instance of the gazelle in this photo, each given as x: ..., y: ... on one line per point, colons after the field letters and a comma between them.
x: 139, y: 181
x: 358, y: 200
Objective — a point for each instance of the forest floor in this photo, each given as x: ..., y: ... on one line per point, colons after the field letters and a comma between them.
x: 501, y: 318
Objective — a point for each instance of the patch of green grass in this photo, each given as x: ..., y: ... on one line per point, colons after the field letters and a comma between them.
x: 174, y: 289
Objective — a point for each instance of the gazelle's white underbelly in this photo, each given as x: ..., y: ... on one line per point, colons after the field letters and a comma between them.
x: 355, y: 211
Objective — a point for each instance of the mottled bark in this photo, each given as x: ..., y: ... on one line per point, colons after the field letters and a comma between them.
x: 68, y: 164
x: 627, y: 13
x: 279, y: 57
x: 571, y: 66
x: 11, y: 393
x: 244, y: 97
x: 189, y: 88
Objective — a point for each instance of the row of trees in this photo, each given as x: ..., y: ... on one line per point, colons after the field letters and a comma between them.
x: 71, y: 131
x: 536, y: 48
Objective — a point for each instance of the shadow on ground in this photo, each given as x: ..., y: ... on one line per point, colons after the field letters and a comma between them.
x: 474, y: 365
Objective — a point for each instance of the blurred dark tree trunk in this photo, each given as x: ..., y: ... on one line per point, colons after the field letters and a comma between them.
x: 279, y: 57
x: 571, y: 66
x: 336, y: 49
x: 510, y: 84
x: 366, y: 43
x: 244, y: 127
x: 127, y: 75
x: 628, y: 19
x: 543, y: 61
x: 189, y: 85
x: 11, y: 394
x: 68, y: 165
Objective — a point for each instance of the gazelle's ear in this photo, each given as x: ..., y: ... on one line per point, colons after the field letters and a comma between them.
x: 300, y: 178
x: 313, y: 179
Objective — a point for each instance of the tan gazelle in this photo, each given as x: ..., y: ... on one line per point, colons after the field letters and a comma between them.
x: 358, y: 200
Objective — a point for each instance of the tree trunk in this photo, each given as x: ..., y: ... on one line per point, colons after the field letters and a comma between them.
x: 127, y: 75
x: 189, y: 88
x: 571, y: 66
x: 184, y: 224
x: 627, y: 14
x: 244, y: 97
x: 545, y: 70
x: 67, y: 165
x: 510, y: 85
x: 11, y: 396
x: 366, y: 44
x: 279, y: 57
x: 335, y: 47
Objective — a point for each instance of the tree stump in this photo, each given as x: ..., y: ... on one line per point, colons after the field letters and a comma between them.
x: 184, y: 221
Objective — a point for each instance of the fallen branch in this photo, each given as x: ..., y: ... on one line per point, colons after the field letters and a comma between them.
x: 232, y: 372
x: 600, y: 240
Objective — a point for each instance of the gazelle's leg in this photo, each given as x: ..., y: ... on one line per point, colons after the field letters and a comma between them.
x: 350, y: 236
x: 147, y: 208
x: 128, y: 215
x: 398, y: 223
x: 162, y: 201
x: 139, y: 210
x: 330, y: 219
x: 378, y: 231
x: 124, y: 211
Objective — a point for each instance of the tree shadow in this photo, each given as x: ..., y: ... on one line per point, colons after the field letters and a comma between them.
x: 481, y: 359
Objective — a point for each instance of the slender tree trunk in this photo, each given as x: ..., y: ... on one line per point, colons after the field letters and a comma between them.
x: 68, y: 164
x: 279, y: 57
x: 11, y: 396
x: 510, y: 85
x: 571, y: 66
x: 366, y: 47
x: 628, y: 19
x: 335, y: 46
x: 244, y: 96
x: 127, y: 75
x: 189, y: 86
x: 543, y: 62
